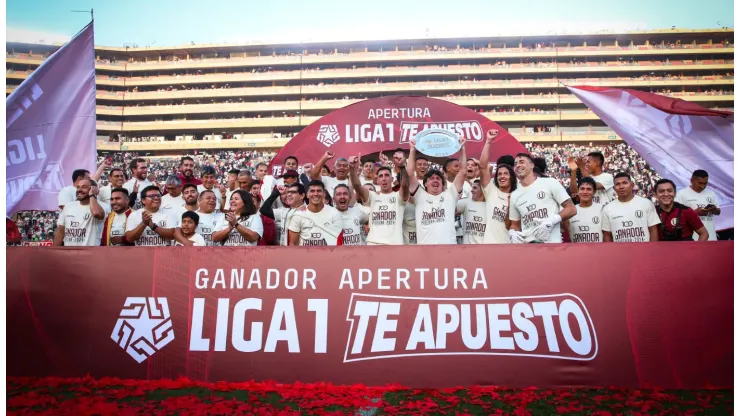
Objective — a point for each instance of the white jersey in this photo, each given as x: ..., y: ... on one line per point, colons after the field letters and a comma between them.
x: 474, y: 220
x: 537, y: 202
x: 409, y: 222
x: 386, y: 218
x: 606, y: 195
x: 323, y: 228
x: 215, y: 190
x: 467, y: 190
x: 497, y: 210
x: 208, y: 224
x: 197, y: 240
x: 66, y: 195
x: 331, y: 183
x: 130, y: 188
x: 104, y: 194
x: 283, y: 216
x: 148, y: 237
x: 435, y: 216
x: 278, y: 202
x: 352, y: 221
x: 268, y: 184
x: 235, y: 238
x: 695, y: 200
x: 118, y: 226
x: 585, y: 226
x: 169, y: 202
x: 80, y: 227
x: 629, y: 222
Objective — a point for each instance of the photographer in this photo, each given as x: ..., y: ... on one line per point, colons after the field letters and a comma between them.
x: 677, y: 222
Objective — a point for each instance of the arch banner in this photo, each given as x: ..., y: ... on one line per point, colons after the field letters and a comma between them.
x: 388, y: 123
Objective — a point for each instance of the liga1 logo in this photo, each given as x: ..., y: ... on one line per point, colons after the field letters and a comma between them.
x: 381, y: 128
x: 143, y: 327
x: 549, y: 326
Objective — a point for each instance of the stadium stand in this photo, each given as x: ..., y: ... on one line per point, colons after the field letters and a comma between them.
x: 232, y: 106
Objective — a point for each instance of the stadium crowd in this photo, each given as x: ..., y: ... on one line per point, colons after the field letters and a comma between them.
x: 207, y: 182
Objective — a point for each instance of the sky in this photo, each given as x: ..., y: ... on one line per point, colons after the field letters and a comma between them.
x: 171, y: 23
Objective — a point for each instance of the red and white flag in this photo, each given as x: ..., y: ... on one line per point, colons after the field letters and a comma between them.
x: 675, y: 136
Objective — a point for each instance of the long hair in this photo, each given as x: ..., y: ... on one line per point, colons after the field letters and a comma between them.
x: 512, y: 178
x: 246, y: 197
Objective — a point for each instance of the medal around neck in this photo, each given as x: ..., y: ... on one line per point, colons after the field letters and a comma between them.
x: 437, y: 142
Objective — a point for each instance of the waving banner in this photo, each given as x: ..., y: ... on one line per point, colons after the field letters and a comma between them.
x: 675, y: 136
x: 50, y: 127
x: 388, y: 123
x: 422, y: 316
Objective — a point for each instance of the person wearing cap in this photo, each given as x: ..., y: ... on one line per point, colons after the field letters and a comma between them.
x: 289, y: 178
x: 435, y: 201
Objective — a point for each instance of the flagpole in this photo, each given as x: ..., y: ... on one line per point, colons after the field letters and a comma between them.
x: 91, y: 11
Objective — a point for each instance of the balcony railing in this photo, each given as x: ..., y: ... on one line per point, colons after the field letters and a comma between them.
x: 573, y: 51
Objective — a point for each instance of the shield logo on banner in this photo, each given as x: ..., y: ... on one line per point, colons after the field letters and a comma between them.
x: 143, y: 327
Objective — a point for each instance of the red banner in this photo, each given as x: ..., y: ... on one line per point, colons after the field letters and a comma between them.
x: 578, y: 315
x: 388, y: 123
x: 45, y: 243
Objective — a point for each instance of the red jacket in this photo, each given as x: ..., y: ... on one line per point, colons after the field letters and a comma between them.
x: 12, y: 234
x: 192, y: 179
x: 269, y: 232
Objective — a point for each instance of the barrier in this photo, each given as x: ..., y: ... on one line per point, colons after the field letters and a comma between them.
x: 428, y: 316
x: 44, y: 243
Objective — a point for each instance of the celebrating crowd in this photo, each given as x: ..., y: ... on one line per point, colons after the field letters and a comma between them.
x: 563, y: 194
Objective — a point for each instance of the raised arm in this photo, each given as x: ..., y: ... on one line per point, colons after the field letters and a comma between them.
x: 98, y: 173
x: 460, y: 178
x: 316, y: 171
x: 410, y: 163
x: 96, y: 209
x: 485, y: 173
x: 354, y: 179
x: 266, y: 208
x: 405, y: 193
x: 573, y: 176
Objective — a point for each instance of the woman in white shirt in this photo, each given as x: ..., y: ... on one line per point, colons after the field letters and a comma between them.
x: 242, y: 226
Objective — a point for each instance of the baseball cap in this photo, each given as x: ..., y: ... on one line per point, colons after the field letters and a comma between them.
x: 291, y: 174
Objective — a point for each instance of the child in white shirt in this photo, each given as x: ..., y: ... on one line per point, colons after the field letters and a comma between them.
x: 188, y: 226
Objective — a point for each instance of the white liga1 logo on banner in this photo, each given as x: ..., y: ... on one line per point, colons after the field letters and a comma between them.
x: 437, y: 142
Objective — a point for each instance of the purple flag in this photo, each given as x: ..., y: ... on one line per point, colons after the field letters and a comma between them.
x: 50, y: 126
x: 675, y: 136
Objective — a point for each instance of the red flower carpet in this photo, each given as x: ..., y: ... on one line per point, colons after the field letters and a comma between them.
x: 110, y: 396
